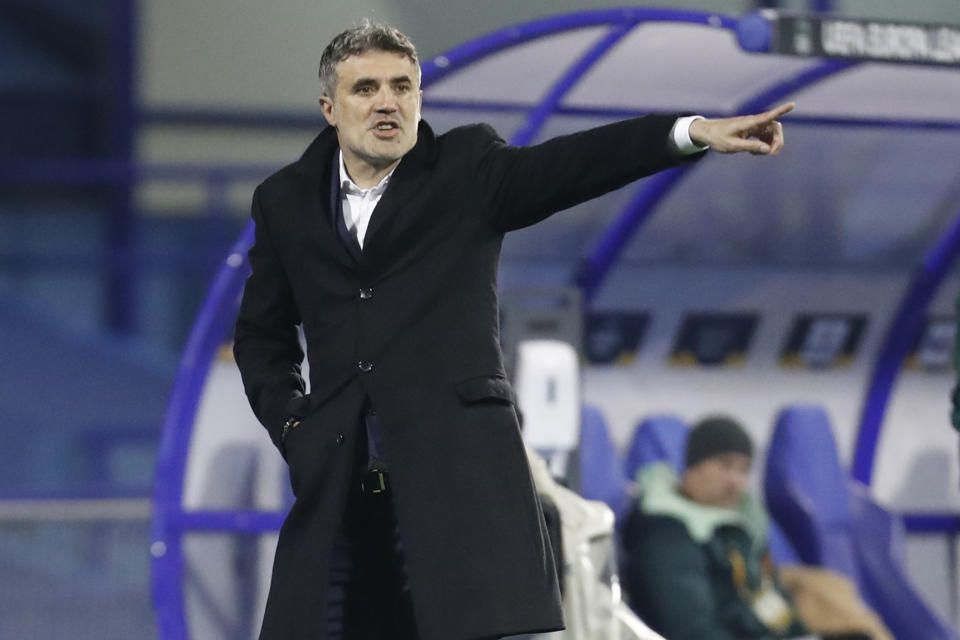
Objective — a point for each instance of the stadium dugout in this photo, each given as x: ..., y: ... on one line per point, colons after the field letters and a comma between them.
x: 858, y: 221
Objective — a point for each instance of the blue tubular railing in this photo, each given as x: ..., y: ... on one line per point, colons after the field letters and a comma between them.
x: 440, y: 66
x: 542, y: 112
x: 904, y: 329
x: 208, y: 333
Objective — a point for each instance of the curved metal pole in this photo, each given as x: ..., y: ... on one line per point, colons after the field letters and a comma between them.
x: 539, y: 115
x: 599, y: 262
x: 440, y: 66
x: 207, y: 335
x: 903, y: 330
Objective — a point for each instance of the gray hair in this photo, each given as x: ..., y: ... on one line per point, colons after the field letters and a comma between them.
x: 364, y: 37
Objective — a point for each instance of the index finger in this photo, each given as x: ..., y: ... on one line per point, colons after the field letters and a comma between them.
x: 773, y: 114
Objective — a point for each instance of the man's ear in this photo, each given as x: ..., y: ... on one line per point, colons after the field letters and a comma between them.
x: 326, y: 106
x: 420, y: 106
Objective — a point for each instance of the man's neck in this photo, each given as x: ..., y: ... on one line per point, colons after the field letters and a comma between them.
x: 364, y: 174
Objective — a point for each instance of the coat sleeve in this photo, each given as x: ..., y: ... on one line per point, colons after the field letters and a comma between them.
x: 266, y: 343
x: 527, y: 184
x: 668, y: 580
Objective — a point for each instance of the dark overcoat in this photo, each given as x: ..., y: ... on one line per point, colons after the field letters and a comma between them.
x: 412, y: 328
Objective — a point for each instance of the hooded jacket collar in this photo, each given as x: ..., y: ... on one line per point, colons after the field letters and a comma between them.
x: 659, y: 496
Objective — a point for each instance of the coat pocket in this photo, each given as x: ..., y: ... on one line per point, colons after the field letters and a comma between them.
x: 492, y: 388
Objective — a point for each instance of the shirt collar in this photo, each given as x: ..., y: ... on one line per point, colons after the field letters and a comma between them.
x: 348, y: 186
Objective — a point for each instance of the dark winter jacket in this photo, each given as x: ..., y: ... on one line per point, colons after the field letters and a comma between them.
x: 695, y: 572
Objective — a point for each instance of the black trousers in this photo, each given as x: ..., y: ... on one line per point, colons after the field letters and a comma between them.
x: 368, y: 595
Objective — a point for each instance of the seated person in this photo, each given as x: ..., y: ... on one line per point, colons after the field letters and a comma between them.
x: 697, y: 565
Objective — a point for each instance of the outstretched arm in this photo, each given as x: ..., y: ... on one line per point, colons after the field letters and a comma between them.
x: 760, y: 134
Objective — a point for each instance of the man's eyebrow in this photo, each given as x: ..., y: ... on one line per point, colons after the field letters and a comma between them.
x: 364, y: 82
x: 399, y: 79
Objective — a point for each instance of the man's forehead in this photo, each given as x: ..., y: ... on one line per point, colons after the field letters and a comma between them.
x: 378, y: 64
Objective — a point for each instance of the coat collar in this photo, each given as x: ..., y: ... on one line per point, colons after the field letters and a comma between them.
x: 319, y: 162
x: 321, y: 155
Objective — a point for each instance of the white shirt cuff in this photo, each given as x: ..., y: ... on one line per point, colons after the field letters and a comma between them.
x: 680, y: 136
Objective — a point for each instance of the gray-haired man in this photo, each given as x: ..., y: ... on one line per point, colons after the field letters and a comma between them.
x: 383, y: 241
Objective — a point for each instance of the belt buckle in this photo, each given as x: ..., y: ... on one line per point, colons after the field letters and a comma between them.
x: 374, y: 482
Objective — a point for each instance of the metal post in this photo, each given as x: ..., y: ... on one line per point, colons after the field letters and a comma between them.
x: 120, y: 276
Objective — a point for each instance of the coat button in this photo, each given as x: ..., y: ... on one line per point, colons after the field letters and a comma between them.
x: 366, y: 293
x: 365, y: 366
x: 339, y: 438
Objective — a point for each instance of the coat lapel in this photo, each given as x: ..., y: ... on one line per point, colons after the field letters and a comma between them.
x: 318, y: 165
x: 406, y: 181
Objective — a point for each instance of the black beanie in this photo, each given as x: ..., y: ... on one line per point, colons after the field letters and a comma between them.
x: 714, y: 436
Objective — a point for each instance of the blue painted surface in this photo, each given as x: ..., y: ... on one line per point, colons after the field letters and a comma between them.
x: 932, y: 523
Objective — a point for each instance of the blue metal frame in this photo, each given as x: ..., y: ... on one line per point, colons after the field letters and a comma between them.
x: 601, y: 259
x: 212, y: 324
x: 904, y: 329
x: 440, y: 66
x: 207, y: 335
x: 932, y: 523
x: 542, y: 112
x: 274, y: 120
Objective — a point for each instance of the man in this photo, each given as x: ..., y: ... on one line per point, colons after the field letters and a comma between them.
x: 696, y: 552
x: 383, y: 242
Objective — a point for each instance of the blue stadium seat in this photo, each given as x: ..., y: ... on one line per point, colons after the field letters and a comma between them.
x: 802, y: 461
x: 601, y: 476
x: 657, y: 438
x: 781, y: 550
x: 831, y: 521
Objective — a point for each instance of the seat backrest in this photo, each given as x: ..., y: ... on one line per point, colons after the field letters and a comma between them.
x: 601, y: 476
x: 781, y: 549
x: 881, y: 546
x: 657, y: 438
x: 807, y: 492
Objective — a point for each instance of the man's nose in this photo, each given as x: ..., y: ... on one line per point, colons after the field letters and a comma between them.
x: 386, y: 101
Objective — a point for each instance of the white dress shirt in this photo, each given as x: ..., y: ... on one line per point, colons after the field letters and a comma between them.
x: 358, y: 204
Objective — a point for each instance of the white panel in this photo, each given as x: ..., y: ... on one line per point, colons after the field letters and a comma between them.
x: 916, y: 464
x: 548, y: 392
x: 224, y: 420
x: 928, y: 567
x: 917, y: 461
x: 663, y: 66
x: 755, y: 392
x: 523, y: 73
x: 886, y: 91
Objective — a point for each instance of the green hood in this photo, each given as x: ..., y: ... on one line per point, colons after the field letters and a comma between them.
x: 659, y: 496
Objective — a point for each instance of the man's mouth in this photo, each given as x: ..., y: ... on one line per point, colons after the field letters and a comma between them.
x: 386, y: 126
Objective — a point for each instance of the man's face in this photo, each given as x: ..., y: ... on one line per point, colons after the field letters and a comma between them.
x: 376, y: 107
x: 718, y: 481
